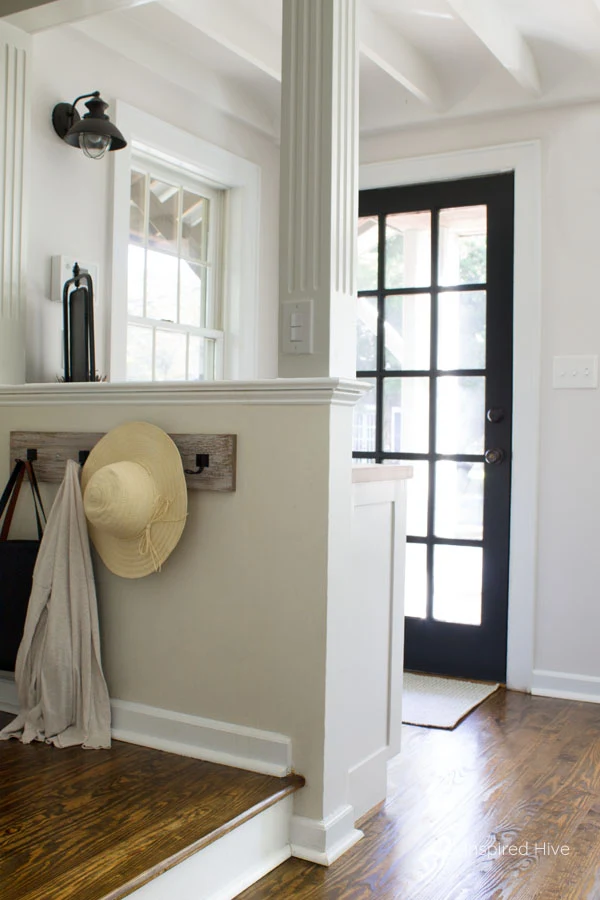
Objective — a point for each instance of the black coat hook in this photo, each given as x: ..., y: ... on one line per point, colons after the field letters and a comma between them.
x: 201, y: 463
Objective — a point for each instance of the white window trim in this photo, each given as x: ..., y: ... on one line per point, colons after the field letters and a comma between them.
x: 525, y: 160
x: 241, y: 179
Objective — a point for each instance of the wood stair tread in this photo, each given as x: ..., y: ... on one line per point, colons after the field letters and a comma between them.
x: 98, y: 824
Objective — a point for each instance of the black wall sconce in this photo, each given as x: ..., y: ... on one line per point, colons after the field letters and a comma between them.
x: 94, y: 133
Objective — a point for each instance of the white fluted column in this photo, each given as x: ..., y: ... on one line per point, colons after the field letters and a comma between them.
x: 14, y: 135
x: 319, y: 183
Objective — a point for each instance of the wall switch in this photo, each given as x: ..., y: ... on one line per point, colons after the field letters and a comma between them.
x: 297, y: 326
x: 62, y: 270
x: 575, y: 372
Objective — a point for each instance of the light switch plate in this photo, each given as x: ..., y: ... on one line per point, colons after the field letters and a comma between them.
x: 297, y: 327
x: 62, y: 270
x: 575, y: 372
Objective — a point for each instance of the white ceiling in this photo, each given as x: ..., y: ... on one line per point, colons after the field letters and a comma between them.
x: 421, y: 60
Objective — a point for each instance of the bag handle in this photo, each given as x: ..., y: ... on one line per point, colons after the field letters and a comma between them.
x: 11, y: 495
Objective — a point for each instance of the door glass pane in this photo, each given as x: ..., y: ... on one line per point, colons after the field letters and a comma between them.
x: 192, y: 294
x: 459, y: 500
x: 368, y: 245
x: 461, y: 330
x: 194, y: 226
x: 163, y: 218
x: 136, y: 264
x: 366, y: 334
x: 139, y: 353
x: 415, y: 581
x: 161, y: 286
x: 363, y: 437
x: 460, y: 414
x: 170, y: 356
x: 417, y: 497
x: 457, y: 584
x: 406, y: 415
x: 137, y: 213
x: 463, y: 245
x: 408, y: 250
x: 407, y: 331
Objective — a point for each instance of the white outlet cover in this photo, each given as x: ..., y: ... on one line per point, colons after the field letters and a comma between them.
x: 62, y: 270
x: 575, y: 372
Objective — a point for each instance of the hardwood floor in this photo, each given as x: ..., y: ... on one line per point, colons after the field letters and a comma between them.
x: 95, y: 824
x: 521, y: 775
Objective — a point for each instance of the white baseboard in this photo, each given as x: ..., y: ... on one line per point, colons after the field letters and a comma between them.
x: 228, y: 866
x: 220, y: 742
x: 566, y: 686
x: 186, y: 735
x: 9, y: 702
x: 367, y: 782
x: 324, y: 841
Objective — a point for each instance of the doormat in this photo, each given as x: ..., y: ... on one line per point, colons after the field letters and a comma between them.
x: 435, y: 702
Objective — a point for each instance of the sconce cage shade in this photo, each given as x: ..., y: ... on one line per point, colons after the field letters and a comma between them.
x: 94, y: 133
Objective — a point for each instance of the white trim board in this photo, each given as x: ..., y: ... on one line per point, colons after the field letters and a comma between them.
x: 525, y: 160
x: 566, y: 686
x: 279, y: 391
x: 220, y: 742
x: 326, y: 840
x: 228, y: 866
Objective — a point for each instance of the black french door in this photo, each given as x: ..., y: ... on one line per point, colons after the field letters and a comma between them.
x: 435, y: 323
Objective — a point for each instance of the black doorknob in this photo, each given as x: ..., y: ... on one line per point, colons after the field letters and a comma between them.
x: 495, y: 414
x: 494, y: 456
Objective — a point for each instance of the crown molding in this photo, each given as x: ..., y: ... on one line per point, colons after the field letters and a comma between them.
x: 280, y: 391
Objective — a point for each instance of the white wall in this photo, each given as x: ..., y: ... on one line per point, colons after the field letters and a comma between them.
x: 568, y: 610
x: 71, y: 196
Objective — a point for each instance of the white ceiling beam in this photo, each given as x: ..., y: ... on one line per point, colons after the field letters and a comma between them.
x: 141, y: 47
x: 37, y: 15
x: 395, y: 55
x: 489, y: 22
x: 234, y: 29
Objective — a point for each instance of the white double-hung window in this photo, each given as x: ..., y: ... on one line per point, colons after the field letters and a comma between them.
x: 174, y: 274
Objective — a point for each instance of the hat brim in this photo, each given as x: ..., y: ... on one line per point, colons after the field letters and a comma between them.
x: 152, y: 448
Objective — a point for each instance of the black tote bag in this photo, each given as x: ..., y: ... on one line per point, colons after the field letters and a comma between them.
x: 17, y: 560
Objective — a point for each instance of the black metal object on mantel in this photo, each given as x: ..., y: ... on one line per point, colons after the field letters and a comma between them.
x: 78, y: 327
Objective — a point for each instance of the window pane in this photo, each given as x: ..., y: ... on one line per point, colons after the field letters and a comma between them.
x: 192, y: 295
x: 136, y: 263
x: 459, y: 500
x: 407, y: 331
x: 415, y: 581
x: 364, y: 421
x: 164, y: 205
x: 406, y: 415
x: 210, y: 359
x: 139, y: 353
x: 457, y: 584
x: 161, y: 286
x: 368, y: 243
x: 408, y: 250
x: 461, y: 330
x: 137, y: 214
x: 460, y: 414
x: 416, y: 497
x: 463, y: 245
x: 170, y: 356
x: 194, y: 226
x: 366, y: 334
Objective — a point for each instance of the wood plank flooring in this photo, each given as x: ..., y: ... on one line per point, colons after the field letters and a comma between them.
x: 96, y: 824
x: 520, y: 772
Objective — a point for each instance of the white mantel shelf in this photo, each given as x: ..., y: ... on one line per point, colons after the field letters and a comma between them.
x: 282, y: 391
x: 365, y: 474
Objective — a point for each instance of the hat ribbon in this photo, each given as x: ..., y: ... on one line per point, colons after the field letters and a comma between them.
x: 146, y: 544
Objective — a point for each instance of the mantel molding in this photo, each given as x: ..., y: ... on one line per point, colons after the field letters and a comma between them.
x: 281, y: 391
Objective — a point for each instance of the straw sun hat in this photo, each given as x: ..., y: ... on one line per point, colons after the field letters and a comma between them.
x: 135, y: 498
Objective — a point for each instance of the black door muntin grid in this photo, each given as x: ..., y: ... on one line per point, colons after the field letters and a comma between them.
x: 435, y: 646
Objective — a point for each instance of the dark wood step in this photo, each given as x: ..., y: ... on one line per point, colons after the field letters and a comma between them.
x: 98, y: 824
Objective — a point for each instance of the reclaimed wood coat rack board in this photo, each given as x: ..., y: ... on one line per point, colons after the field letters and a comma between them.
x: 208, y: 459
